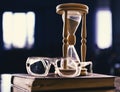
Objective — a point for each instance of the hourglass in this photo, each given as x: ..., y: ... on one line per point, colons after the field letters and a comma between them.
x: 72, y: 14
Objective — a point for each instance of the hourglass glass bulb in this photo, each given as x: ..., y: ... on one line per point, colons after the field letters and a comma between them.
x: 73, y: 53
x: 74, y: 19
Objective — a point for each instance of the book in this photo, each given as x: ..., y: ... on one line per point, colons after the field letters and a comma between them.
x: 20, y: 89
x: 54, y: 82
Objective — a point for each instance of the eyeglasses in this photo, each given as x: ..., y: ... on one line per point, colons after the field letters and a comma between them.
x: 40, y: 66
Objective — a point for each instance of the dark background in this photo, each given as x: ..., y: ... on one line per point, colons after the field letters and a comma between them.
x: 48, y: 35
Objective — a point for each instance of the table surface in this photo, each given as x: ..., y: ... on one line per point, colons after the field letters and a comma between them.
x: 5, y: 86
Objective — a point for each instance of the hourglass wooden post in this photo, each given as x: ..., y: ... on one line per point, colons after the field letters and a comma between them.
x: 65, y: 40
x: 83, y: 44
x: 65, y: 35
x: 74, y: 11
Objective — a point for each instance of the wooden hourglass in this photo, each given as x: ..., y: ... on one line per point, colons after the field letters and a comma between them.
x: 72, y: 13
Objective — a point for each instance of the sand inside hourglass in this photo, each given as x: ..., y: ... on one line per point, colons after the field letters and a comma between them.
x: 71, y: 70
x: 67, y: 71
x: 73, y: 23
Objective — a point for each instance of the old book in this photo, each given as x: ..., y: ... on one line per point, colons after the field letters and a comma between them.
x: 53, y: 82
x: 20, y: 89
x: 15, y: 88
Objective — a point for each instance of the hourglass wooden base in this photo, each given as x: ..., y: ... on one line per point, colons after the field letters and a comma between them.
x: 83, y: 71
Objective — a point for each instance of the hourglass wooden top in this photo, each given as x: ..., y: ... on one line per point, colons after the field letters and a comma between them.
x: 71, y: 6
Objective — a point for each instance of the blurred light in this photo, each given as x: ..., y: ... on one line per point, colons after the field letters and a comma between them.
x: 6, y: 83
x: 30, y: 25
x: 104, y: 28
x: 117, y: 65
x: 18, y: 30
x: 7, y: 29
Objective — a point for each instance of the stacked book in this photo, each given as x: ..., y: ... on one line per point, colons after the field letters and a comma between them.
x: 53, y: 82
